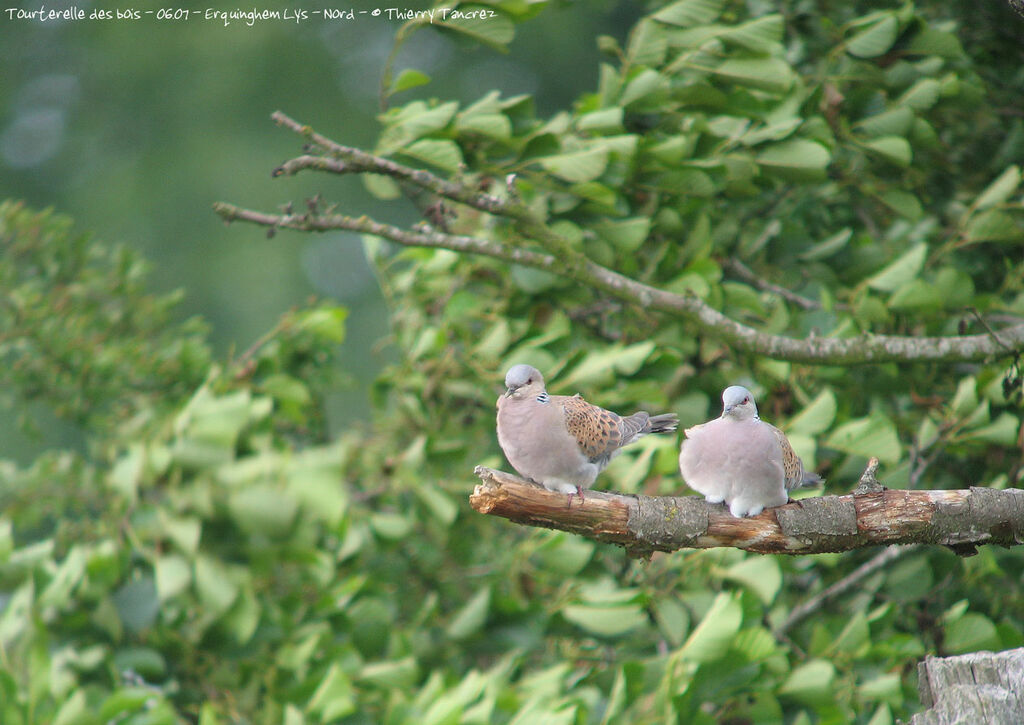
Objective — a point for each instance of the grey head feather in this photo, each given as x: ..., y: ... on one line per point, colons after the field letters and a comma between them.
x: 738, y: 403
x: 520, y: 375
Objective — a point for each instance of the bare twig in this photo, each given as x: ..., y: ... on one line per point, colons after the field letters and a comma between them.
x: 825, y: 350
x: 750, y: 277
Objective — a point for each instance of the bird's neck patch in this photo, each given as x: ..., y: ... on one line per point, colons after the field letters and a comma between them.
x: 544, y: 398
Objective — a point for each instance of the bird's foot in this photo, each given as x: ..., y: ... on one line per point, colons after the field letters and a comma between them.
x: 579, y: 493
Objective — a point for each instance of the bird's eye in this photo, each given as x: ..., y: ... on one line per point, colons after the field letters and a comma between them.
x: 529, y: 381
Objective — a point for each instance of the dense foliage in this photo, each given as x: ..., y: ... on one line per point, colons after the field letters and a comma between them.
x: 217, y: 555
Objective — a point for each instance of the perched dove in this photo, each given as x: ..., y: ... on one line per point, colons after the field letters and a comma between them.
x: 740, y: 459
x: 563, y: 442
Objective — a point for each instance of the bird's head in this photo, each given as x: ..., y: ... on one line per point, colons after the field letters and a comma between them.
x: 738, y: 403
x: 522, y: 381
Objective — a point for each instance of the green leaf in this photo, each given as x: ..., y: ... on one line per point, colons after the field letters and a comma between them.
x: 474, y: 21
x: 760, y: 574
x: 325, y: 321
x: 73, y: 711
x: 600, y: 365
x: 287, y: 390
x: 183, y: 531
x: 137, y: 603
x: 144, y: 661
x: 6, y: 539
x: 827, y: 247
x: 492, y: 125
x: 894, y: 149
x: 903, y: 203
x: 214, y: 586
x: 68, y: 576
x: 471, y: 618
x: 922, y: 95
x: 390, y: 674
x: 532, y: 280
x: 648, y: 84
x: 605, y: 621
x: 173, y: 576
x: 713, y: 636
x: 854, y: 638
x: 409, y: 78
x: 673, y: 619
x: 901, y: 270
x: 382, y: 187
x: 999, y: 190
x: 894, y: 122
x: 874, y: 40
x: 761, y: 35
x: 970, y: 633
x: 916, y: 294
x: 797, y: 159
x: 966, y: 398
x: 872, y: 436
x: 648, y: 45
x: 992, y: 225
x: 886, y: 688
x: 16, y: 615
x: 810, y: 683
x: 564, y: 553
x: 604, y: 120
x: 627, y: 234
x: 817, y: 416
x: 1002, y: 431
x: 334, y: 697
x: 767, y: 74
x: 263, y: 509
x: 577, y: 166
x: 413, y: 121
x: 318, y: 492
x: 930, y: 41
x: 390, y: 526
x: 444, y: 154
x: 440, y: 504
x: 690, y: 12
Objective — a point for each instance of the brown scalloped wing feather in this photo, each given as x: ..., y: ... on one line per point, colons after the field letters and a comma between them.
x: 792, y: 466
x: 595, y: 429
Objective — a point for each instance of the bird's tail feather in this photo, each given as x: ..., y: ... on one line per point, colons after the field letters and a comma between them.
x: 810, y: 480
x: 664, y: 423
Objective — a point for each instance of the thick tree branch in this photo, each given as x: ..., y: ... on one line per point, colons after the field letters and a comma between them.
x: 961, y: 519
x: 558, y: 256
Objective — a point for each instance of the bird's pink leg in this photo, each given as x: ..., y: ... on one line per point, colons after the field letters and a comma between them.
x: 579, y: 492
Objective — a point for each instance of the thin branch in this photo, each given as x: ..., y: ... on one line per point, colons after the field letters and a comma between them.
x: 750, y: 277
x: 823, y: 350
x: 360, y: 162
x: 812, y: 605
x: 961, y: 519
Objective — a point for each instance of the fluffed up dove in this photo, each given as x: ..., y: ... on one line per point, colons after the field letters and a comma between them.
x: 562, y: 442
x: 741, y: 460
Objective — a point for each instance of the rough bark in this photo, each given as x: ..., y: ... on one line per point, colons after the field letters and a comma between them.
x: 871, y: 516
x: 980, y: 687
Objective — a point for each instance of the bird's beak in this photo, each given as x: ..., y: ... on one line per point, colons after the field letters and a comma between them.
x: 727, y: 409
x: 511, y: 389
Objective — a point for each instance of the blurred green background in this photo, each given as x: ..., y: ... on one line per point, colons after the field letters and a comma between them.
x: 134, y: 128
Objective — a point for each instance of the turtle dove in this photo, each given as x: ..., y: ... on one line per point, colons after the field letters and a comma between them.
x: 741, y: 460
x: 562, y: 442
